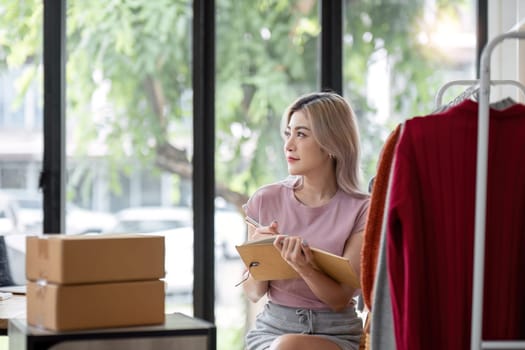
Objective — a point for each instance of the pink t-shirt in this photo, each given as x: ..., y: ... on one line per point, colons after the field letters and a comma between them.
x: 327, y: 227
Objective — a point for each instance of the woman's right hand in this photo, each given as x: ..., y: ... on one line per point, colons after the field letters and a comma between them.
x: 263, y: 231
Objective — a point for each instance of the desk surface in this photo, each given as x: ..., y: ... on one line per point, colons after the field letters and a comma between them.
x: 198, y: 334
x: 176, y: 321
x: 14, y: 307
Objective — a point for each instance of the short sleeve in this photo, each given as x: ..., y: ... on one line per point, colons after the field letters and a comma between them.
x: 360, y: 220
x: 252, y: 208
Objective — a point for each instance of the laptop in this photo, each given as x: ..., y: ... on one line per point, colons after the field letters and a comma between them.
x: 12, y: 264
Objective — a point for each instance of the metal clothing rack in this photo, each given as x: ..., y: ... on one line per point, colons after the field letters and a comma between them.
x: 442, y: 89
x: 476, y: 342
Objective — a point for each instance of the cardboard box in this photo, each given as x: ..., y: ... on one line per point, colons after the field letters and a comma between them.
x: 97, y: 305
x: 65, y: 259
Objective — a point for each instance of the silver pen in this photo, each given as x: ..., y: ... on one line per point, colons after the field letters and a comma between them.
x: 251, y: 222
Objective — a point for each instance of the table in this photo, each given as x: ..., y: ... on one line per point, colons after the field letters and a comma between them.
x: 178, y: 332
x: 14, y: 307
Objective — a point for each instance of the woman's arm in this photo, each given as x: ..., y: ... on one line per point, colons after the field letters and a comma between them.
x: 298, y: 254
x: 255, y: 290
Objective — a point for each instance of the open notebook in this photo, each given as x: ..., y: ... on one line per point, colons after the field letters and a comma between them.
x: 265, y: 263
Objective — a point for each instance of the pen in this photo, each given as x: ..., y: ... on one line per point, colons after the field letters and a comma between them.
x: 251, y: 222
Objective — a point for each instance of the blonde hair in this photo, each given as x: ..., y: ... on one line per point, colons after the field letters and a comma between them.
x: 334, y: 127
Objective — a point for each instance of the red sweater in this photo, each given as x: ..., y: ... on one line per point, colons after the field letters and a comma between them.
x: 430, y: 234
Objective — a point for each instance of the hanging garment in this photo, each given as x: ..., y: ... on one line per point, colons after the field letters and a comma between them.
x: 382, y: 325
x: 374, y: 221
x: 373, y: 228
x: 431, y: 224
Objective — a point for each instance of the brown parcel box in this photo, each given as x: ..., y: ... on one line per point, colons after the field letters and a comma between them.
x: 97, y: 305
x: 67, y: 259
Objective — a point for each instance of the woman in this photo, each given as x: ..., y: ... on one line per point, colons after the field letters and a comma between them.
x: 319, y: 205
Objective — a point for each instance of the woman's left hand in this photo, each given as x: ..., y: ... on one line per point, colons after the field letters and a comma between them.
x: 295, y: 251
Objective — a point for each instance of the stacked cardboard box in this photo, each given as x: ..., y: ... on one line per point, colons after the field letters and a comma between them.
x: 94, y: 281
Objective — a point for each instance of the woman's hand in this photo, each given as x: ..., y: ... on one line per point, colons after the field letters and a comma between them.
x: 263, y: 231
x: 296, y: 252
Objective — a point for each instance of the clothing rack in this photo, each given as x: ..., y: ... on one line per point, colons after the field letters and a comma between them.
x: 476, y: 342
x: 441, y: 91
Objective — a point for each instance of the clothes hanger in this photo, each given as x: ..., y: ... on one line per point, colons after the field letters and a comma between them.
x: 470, y: 92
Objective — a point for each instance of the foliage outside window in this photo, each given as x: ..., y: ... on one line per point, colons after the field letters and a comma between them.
x: 129, y: 94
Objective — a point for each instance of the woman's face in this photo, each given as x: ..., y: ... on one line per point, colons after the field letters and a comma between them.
x: 303, y: 154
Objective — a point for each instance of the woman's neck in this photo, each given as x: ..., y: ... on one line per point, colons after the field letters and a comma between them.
x: 316, y: 193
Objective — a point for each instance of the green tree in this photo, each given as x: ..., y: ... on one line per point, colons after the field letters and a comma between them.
x: 266, y: 57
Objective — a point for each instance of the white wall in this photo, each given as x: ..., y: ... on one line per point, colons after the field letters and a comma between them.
x: 521, y: 47
x: 508, y: 58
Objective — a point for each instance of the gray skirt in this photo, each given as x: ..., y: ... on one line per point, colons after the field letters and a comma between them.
x: 343, y: 328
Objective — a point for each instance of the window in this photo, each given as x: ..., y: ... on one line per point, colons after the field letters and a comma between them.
x: 266, y: 57
x: 129, y: 122
x: 397, y: 54
x: 130, y: 119
x: 21, y: 141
